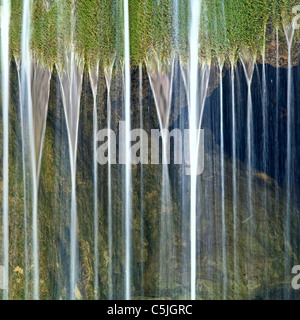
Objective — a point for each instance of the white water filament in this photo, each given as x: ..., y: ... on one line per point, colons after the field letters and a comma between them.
x: 248, y: 61
x: 27, y: 75
x: 289, y: 32
x: 127, y: 156
x: 224, y: 253
x: 234, y: 180
x: 193, y: 112
x: 108, y: 79
x: 5, y: 23
x: 94, y: 74
x: 161, y: 75
x: 23, y: 135
x: 71, y: 84
x: 142, y: 233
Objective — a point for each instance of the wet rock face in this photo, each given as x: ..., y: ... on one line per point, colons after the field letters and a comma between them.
x: 255, y: 247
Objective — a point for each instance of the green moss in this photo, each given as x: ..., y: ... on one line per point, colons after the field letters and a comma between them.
x: 151, y: 28
x: 16, y: 28
x: 140, y: 30
x: 97, y: 30
x: 181, y: 24
x: 245, y: 22
x: 44, y: 32
x: 226, y: 28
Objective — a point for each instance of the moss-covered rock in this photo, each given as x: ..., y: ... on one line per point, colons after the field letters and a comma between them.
x: 96, y: 29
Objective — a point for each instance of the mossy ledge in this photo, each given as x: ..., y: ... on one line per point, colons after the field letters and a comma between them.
x: 226, y: 28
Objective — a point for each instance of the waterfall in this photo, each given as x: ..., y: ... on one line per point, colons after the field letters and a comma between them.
x: 265, y: 107
x: 277, y: 126
x: 5, y: 63
x: 25, y: 81
x: 224, y: 253
x: 142, y: 233
x: 108, y: 78
x: 18, y: 65
x: 196, y: 84
x: 33, y: 114
x: 87, y: 214
x: 276, y: 170
x: 94, y: 74
x: 265, y: 121
x: 40, y: 89
x: 248, y: 61
x: 70, y: 77
x: 185, y: 278
x: 289, y: 33
x: 234, y: 179
x: 193, y: 117
x: 161, y: 74
x: 127, y: 156
x: 195, y: 77
x: 71, y: 86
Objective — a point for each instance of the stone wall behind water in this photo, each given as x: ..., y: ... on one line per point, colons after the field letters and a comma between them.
x: 255, y: 249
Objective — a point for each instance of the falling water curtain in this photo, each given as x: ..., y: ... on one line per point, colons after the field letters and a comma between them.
x: 149, y: 149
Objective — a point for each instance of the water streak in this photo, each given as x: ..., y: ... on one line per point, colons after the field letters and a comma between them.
x: 161, y: 74
x: 142, y: 232
x: 40, y: 90
x: 5, y: 63
x: 71, y: 86
x: 234, y: 178
x: 34, y: 106
x: 196, y: 81
x: 23, y: 134
x: 94, y: 74
x: 248, y: 62
x: 289, y: 33
x: 108, y: 79
x: 276, y: 138
x: 224, y: 253
x: 128, y: 204
x: 193, y: 111
x: 265, y: 118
